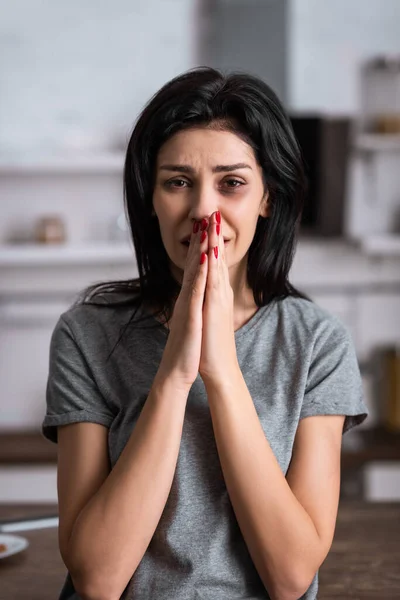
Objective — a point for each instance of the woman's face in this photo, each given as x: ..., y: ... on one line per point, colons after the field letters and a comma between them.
x: 199, y: 171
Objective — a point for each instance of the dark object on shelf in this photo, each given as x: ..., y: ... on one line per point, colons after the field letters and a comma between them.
x: 26, y: 447
x: 324, y: 142
x: 391, y: 377
x: 50, y: 230
x: 380, y: 104
x: 378, y: 444
x: 352, y: 484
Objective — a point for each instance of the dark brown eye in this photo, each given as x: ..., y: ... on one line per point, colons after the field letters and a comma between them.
x: 234, y: 183
x: 175, y: 183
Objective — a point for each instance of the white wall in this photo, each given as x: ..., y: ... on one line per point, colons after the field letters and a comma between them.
x: 328, y: 39
x: 87, y: 64
x: 84, y: 64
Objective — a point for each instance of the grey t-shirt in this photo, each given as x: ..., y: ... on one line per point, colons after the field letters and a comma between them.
x: 297, y: 360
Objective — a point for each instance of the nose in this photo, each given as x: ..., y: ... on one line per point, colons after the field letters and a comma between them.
x: 203, y: 202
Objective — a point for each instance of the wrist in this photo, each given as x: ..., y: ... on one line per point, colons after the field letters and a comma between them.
x: 224, y: 381
x: 172, y: 381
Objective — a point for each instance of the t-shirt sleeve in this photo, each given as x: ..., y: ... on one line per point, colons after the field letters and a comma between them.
x: 72, y: 395
x: 334, y: 385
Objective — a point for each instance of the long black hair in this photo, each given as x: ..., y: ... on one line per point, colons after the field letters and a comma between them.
x: 236, y: 102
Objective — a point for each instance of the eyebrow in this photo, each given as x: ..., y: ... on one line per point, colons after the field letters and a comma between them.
x: 217, y: 169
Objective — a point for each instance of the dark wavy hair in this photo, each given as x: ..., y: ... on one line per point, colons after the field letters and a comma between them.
x: 235, y: 102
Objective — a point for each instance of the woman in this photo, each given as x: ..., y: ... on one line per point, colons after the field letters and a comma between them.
x: 186, y: 466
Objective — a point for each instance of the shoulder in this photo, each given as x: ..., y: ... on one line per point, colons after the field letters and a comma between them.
x: 311, y: 322
x: 104, y: 315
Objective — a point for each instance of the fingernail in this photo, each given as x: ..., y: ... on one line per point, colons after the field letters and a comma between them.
x: 218, y: 216
x: 216, y: 251
x: 218, y: 229
x: 202, y: 258
x: 204, y: 224
x: 196, y: 226
x: 203, y: 236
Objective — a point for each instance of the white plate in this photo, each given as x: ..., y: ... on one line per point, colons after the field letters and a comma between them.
x: 14, y: 543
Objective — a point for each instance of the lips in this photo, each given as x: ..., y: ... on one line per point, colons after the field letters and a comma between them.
x: 186, y: 241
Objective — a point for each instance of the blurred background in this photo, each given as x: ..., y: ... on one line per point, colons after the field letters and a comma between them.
x: 73, y: 78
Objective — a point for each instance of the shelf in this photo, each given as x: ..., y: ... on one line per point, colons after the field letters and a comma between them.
x: 323, y: 266
x: 375, y: 444
x: 102, y: 163
x: 30, y: 447
x: 91, y: 253
x: 381, y: 245
x: 65, y: 254
x: 374, y: 142
x: 26, y: 447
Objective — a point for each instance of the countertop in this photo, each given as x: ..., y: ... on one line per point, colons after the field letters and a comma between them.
x: 363, y: 563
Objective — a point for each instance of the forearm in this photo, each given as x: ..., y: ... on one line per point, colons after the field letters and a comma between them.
x: 113, y: 531
x: 278, y: 532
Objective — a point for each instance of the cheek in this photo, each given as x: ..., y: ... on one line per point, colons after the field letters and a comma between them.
x: 164, y: 213
x: 247, y: 211
x: 243, y: 217
x: 158, y: 201
x: 168, y: 206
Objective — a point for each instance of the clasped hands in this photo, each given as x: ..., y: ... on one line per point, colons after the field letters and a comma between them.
x: 218, y: 360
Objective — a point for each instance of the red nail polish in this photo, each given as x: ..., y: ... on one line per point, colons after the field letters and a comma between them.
x: 202, y: 258
x: 196, y: 226
x: 216, y: 251
x: 204, y: 224
x: 218, y: 216
x: 203, y: 236
x: 218, y: 229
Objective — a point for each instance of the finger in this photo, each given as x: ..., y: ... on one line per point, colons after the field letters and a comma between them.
x: 222, y: 254
x: 190, y: 269
x: 202, y: 272
x: 222, y: 264
x: 198, y: 285
x: 203, y: 245
x: 195, y: 278
x: 213, y: 253
x: 222, y: 249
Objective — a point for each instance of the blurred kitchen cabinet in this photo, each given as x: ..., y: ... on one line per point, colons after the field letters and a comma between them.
x: 28, y: 484
x: 378, y: 321
x: 373, y: 318
x: 382, y: 482
x: 339, y: 305
x: 36, y: 286
x: 344, y: 306
x: 25, y: 332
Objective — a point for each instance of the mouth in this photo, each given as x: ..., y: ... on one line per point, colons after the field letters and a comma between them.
x: 187, y: 242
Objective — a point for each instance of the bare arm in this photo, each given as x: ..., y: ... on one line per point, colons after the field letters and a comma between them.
x: 287, y: 523
x: 105, y: 543
x: 107, y: 519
